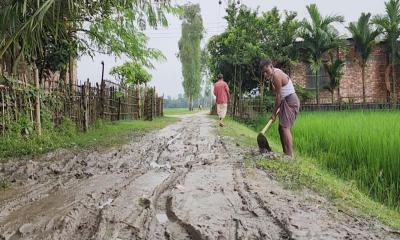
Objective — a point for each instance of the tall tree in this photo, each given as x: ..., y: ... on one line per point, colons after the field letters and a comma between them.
x: 364, y: 40
x: 334, y: 69
x: 389, y: 24
x: 319, y: 36
x: 190, y: 51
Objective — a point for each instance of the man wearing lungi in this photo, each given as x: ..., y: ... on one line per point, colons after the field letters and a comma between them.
x: 221, y: 92
x: 286, y: 101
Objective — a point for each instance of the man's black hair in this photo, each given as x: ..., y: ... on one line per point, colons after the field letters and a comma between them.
x: 266, y: 62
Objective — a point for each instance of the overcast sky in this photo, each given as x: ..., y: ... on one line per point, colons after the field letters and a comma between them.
x: 167, y: 76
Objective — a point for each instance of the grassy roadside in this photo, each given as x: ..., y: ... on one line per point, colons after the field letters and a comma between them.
x: 179, y: 111
x: 103, y: 134
x: 306, y: 172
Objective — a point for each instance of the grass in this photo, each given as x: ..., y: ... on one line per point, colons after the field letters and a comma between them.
x: 357, y: 146
x: 307, y: 171
x: 103, y: 134
x: 4, y: 184
x: 178, y: 111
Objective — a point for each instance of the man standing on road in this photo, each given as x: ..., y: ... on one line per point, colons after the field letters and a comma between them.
x: 221, y: 92
x: 286, y: 101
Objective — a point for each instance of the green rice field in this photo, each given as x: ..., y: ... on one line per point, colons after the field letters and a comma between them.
x: 363, y: 147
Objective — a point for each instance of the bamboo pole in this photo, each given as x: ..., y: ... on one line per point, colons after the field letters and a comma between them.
x: 154, y: 102
x: 37, y: 105
x: 86, y: 105
x: 139, y: 99
x: 3, y: 113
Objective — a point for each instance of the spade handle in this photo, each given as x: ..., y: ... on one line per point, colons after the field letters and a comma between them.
x: 269, y: 123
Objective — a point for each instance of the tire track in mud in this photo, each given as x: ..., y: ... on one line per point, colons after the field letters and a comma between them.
x: 80, y: 216
x: 169, y: 225
x: 251, y: 201
x: 224, y: 213
x: 181, y: 182
x: 146, y: 224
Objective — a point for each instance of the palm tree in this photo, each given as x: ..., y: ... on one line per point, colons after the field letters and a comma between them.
x: 389, y: 24
x: 364, y: 40
x: 335, y: 71
x: 318, y: 36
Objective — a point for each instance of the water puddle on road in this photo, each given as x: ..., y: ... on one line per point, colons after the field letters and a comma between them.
x: 162, y: 218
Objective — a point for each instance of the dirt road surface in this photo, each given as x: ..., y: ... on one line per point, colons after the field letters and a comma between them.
x: 181, y: 182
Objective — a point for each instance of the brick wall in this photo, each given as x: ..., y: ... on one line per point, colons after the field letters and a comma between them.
x: 351, y: 83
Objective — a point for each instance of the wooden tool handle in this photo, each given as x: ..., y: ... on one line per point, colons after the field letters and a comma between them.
x: 269, y: 123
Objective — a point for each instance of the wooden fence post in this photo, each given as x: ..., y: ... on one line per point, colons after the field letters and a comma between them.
x: 139, y: 99
x: 102, y: 98
x: 37, y: 104
x: 3, y: 112
x: 162, y: 106
x: 87, y: 116
x: 119, y: 105
x: 154, y: 102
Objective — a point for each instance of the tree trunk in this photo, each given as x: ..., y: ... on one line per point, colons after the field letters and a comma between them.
x: 332, y: 93
x: 363, y: 81
x: 190, y: 103
x: 71, y: 73
x: 37, y: 104
x: 317, y: 88
x: 234, y: 92
x: 339, y: 100
x: 394, y: 93
x: 261, y: 92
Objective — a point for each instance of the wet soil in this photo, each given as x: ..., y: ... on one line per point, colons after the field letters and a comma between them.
x: 181, y: 182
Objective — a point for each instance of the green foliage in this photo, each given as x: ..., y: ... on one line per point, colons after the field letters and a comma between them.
x: 121, y: 36
x: 190, y: 51
x: 250, y: 37
x: 335, y: 71
x: 48, y: 31
x: 179, y: 102
x: 104, y: 134
x: 319, y: 36
x: 177, y: 111
x: 364, y: 38
x: 303, y: 93
x: 131, y: 73
x: 22, y: 140
x: 389, y: 25
x: 355, y: 146
x: 4, y: 184
x: 308, y: 171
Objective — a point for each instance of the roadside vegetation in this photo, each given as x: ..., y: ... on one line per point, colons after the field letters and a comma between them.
x: 179, y: 111
x: 315, y: 169
x: 356, y: 146
x: 102, y: 134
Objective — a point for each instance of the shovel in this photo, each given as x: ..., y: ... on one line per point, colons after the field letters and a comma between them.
x: 261, y: 139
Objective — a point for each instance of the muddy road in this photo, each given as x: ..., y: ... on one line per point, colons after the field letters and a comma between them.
x: 181, y: 182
